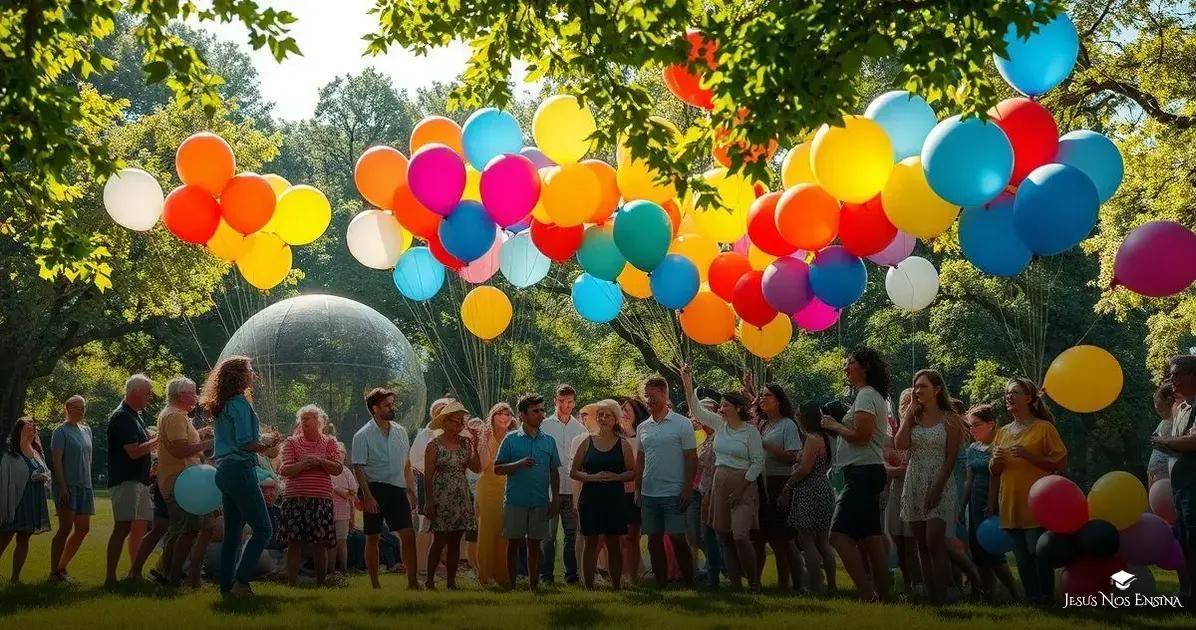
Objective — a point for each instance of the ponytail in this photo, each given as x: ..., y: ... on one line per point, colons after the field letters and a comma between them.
x: 1037, y: 405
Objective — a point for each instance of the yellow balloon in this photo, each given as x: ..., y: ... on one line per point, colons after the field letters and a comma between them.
x: 279, y: 185
x: 698, y: 249
x: 226, y: 244
x: 1084, y: 379
x: 635, y: 282
x: 852, y: 162
x: 699, y: 436
x: 570, y: 194
x: 769, y: 341
x: 795, y: 168
x: 1117, y: 497
x: 266, y: 260
x: 562, y: 127
x: 707, y: 319
x: 486, y: 312
x: 473, y: 184
x: 637, y: 181
x: 759, y: 259
x: 725, y: 222
x: 911, y: 205
x: 302, y: 215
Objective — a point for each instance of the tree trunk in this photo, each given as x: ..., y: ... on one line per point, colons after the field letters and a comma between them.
x: 14, y: 385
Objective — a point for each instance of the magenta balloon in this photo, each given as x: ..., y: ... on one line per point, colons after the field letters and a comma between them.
x: 896, y: 251
x: 786, y: 285
x: 742, y: 246
x: 510, y: 188
x: 1174, y: 558
x: 436, y: 175
x: 816, y: 316
x: 537, y: 157
x: 485, y: 267
x: 1146, y: 541
x: 1157, y: 259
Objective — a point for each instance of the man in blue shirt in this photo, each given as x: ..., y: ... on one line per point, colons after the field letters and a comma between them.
x: 530, y: 461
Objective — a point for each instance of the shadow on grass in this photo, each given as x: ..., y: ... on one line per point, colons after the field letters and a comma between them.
x: 708, y: 602
x: 258, y: 604
x: 16, y: 598
x: 577, y: 616
x: 1134, y: 618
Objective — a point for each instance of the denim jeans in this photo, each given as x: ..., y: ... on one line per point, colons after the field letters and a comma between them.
x: 243, y: 504
x: 1038, y: 579
x: 714, y: 555
x: 568, y: 519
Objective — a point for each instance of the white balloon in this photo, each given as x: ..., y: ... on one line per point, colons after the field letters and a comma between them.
x: 134, y: 199
x: 375, y: 239
x: 913, y: 284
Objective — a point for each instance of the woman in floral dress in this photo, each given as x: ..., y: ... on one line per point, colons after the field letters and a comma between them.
x: 449, y: 505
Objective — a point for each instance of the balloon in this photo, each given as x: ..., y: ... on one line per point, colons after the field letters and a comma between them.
x: 992, y: 538
x: 768, y: 341
x: 442, y: 256
x: 759, y: 260
x: 195, y: 490
x: 852, y: 162
x: 510, y: 188
x: 226, y: 244
x: 795, y: 168
x: 608, y: 187
x: 1147, y: 541
x: 205, y: 160
x: 134, y: 199
x: 247, y: 202
x: 278, y: 183
x: 562, y: 127
x: 762, y: 226
x: 191, y: 214
x: 436, y: 130
x: 913, y: 284
x: 1032, y: 133
x: 1058, y: 504
x: 489, y: 133
x: 896, y: 251
x: 698, y: 249
x: 637, y: 181
x: 1084, y: 379
x: 1118, y: 498
x: 1174, y: 559
x: 557, y: 243
x: 572, y: 194
x: 486, y: 312
x: 726, y: 221
x: 749, y: 301
x: 635, y: 282
x: 967, y: 162
x: 266, y: 260
x: 437, y: 177
x: 643, y: 233
x: 413, y: 216
x: 521, y: 263
x: 1035, y: 63
x: 596, y: 300
x: 725, y: 271
x: 1156, y: 259
x: 989, y: 240
x: 707, y: 319
x: 598, y: 255
x: 748, y: 153
x: 1098, y: 539
x: 468, y: 232
x: 1089, y: 577
x: 912, y: 205
x: 864, y: 229
x: 375, y: 239
x: 906, y: 118
x: 379, y: 173
x: 301, y: 215
x: 838, y: 277
x: 807, y: 217
x: 1095, y: 155
x: 674, y: 281
x: 1057, y: 550
x: 816, y: 316
x: 786, y: 285
x: 537, y: 157
x: 418, y: 275
x: 1054, y: 209
x: 682, y: 82
x: 1162, y: 502
x: 473, y: 182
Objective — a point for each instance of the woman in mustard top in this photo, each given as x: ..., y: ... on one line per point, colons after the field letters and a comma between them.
x: 1024, y: 451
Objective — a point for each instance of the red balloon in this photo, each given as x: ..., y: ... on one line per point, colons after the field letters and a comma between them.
x: 1031, y: 130
x: 762, y: 226
x: 808, y: 217
x: 247, y: 202
x: 555, y: 242
x: 749, y: 300
x: 686, y: 85
x: 441, y: 254
x: 413, y: 216
x: 864, y: 229
x: 192, y: 214
x: 1090, y: 576
x: 725, y: 271
x: 1058, y: 504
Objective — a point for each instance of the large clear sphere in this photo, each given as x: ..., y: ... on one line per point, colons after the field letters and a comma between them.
x: 329, y: 351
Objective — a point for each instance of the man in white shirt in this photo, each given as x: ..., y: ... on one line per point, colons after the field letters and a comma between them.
x: 563, y: 427
x: 665, y: 467
x: 1180, y: 446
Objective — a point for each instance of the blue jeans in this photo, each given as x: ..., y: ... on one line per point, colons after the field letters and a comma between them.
x: 1038, y: 578
x: 714, y: 555
x: 243, y: 504
x: 568, y: 519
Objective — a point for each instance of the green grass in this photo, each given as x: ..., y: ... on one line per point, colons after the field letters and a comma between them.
x: 354, y: 605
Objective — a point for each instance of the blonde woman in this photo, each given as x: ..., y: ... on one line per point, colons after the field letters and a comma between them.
x: 603, y: 463
x: 492, y: 547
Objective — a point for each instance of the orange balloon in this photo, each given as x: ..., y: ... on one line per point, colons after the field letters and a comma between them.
x: 671, y: 209
x: 571, y: 194
x: 379, y: 173
x: 808, y: 217
x: 205, y: 160
x: 192, y: 214
x: 708, y: 320
x: 413, y: 216
x: 751, y: 152
x: 437, y: 129
x: 635, y: 282
x: 609, y: 199
x: 247, y: 202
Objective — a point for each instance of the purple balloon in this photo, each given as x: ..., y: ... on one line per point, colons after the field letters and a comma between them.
x: 786, y: 285
x: 1174, y: 559
x: 1157, y: 259
x: 816, y: 316
x: 436, y: 175
x: 896, y: 251
x: 537, y: 157
x: 510, y: 188
x: 1145, y: 542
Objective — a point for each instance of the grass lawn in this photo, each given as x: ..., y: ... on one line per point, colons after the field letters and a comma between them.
x: 38, y: 604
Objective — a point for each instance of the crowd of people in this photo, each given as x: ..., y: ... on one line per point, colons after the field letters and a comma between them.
x: 714, y: 491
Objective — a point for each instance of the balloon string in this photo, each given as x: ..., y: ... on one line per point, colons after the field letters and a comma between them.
x: 182, y: 309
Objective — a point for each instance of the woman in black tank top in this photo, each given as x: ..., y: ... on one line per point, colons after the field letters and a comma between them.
x: 603, y: 462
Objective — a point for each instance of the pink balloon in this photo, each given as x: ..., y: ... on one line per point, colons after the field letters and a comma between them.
x: 1162, y: 503
x: 1146, y: 541
x: 485, y: 267
x: 436, y: 175
x: 896, y: 251
x: 816, y: 316
x: 510, y: 188
x: 1174, y: 559
x: 1058, y: 504
x: 742, y: 246
x: 1157, y: 259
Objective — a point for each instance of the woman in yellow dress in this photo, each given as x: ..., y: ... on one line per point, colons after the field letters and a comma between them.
x: 492, y: 547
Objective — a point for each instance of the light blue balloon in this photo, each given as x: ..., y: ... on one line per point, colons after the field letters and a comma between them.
x: 469, y: 232
x: 643, y: 233
x: 967, y: 162
x: 1043, y: 59
x: 195, y: 490
x: 992, y: 538
x: 418, y: 275
x: 521, y: 263
x: 674, y: 282
x: 1095, y: 155
x: 598, y: 254
x: 989, y: 240
x: 907, y: 118
x: 596, y: 300
x: 838, y: 277
x: 1055, y: 208
x: 489, y: 133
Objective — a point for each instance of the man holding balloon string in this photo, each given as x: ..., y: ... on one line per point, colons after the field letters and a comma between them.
x: 1180, y: 446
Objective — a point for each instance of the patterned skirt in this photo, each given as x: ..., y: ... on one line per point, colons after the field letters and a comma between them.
x: 307, y: 520
x: 32, y: 515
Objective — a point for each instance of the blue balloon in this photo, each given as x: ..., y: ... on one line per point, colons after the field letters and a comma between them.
x: 674, y: 281
x: 907, y: 118
x: 1095, y: 155
x: 992, y: 538
x: 967, y: 162
x: 643, y: 233
x: 1055, y: 208
x: 468, y: 232
x: 522, y: 226
x: 596, y: 300
x: 838, y: 277
x: 489, y: 133
x: 418, y: 275
x: 989, y: 240
x: 195, y: 490
x: 521, y: 263
x: 598, y: 254
x: 1043, y: 59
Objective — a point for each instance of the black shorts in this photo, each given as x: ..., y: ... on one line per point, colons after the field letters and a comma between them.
x: 393, y: 508
x: 631, y: 509
x: 773, y: 513
x: 858, y: 511
x: 161, y: 510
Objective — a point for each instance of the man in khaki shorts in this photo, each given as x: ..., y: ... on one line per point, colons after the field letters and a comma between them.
x: 129, y: 448
x: 180, y: 446
x: 530, y: 461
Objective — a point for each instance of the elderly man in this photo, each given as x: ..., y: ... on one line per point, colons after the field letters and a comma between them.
x: 1180, y: 447
x: 70, y: 448
x: 129, y: 448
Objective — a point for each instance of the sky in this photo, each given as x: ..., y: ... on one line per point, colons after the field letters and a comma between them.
x: 329, y: 35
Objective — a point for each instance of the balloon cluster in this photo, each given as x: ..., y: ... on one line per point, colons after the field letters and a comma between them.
x: 243, y: 218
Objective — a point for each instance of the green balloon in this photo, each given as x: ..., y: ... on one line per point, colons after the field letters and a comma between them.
x: 642, y: 233
x: 599, y: 256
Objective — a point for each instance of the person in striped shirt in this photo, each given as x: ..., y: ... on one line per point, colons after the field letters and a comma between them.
x: 309, y: 461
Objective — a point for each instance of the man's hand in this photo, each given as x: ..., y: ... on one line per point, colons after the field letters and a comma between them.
x: 370, y: 504
x: 527, y: 462
x: 554, y: 508
x: 683, y: 500
x: 412, y: 501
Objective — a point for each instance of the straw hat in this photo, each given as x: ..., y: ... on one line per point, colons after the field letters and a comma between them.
x: 444, y: 412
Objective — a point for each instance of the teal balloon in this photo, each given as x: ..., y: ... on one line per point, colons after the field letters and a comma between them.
x: 418, y: 275
x: 907, y: 118
x: 1095, y: 155
x: 990, y: 241
x: 598, y: 255
x: 967, y: 162
x: 489, y: 133
x: 596, y: 300
x: 521, y: 263
x: 642, y: 233
x: 195, y: 490
x: 1043, y: 59
x: 674, y: 282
